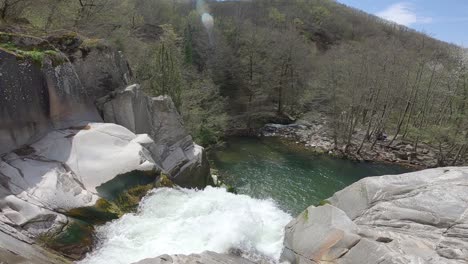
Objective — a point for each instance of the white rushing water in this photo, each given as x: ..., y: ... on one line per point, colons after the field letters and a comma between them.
x: 171, y: 221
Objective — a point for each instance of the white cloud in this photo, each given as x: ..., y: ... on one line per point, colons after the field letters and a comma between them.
x: 404, y: 14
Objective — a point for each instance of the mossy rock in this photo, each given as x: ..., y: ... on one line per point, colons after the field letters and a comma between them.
x: 164, y: 181
x: 68, y: 38
x: 120, y: 184
x: 24, y: 50
x: 25, y: 42
x: 90, y: 44
x: 66, y: 41
x: 128, y: 201
x: 39, y: 57
x: 305, y: 214
x: 73, y: 242
x: 102, y: 212
x: 323, y: 202
x: 229, y: 188
x: 5, y: 38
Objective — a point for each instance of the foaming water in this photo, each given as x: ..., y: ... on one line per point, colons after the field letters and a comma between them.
x: 181, y: 221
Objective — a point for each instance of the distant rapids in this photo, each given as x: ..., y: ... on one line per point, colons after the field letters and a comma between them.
x: 182, y: 221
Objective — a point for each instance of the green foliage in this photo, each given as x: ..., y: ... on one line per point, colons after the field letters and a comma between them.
x: 164, y: 181
x: 264, y: 59
x: 162, y: 74
x: 90, y: 43
x: 128, y: 201
x: 73, y: 241
x: 203, y: 110
x: 323, y: 202
x: 35, y: 55
x: 319, y: 14
x: 305, y: 214
x: 188, y: 45
x: 231, y: 189
x: 276, y: 16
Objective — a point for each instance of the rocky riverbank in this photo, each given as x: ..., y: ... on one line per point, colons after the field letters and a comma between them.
x: 79, y: 144
x: 418, y: 217
x: 317, y: 135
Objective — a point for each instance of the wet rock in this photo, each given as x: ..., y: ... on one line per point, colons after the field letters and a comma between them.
x: 164, y: 181
x: 206, y: 257
x: 418, y: 217
x: 15, y: 247
x: 64, y: 171
x: 319, y: 234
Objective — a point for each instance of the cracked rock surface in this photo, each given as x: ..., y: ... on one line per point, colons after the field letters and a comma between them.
x: 40, y: 182
x: 418, y: 217
x: 173, y: 147
x: 54, y: 149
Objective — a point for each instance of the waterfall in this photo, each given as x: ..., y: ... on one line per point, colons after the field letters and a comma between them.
x: 182, y: 221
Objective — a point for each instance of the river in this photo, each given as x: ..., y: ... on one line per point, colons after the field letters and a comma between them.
x: 275, y: 182
x: 291, y: 175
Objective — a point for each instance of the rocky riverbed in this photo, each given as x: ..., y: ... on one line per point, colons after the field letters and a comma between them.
x: 317, y: 135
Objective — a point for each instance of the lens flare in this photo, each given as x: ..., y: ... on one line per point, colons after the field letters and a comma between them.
x: 207, y: 21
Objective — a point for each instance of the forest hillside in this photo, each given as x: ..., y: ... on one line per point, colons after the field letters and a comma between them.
x: 233, y: 66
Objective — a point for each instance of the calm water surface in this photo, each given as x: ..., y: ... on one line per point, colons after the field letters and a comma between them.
x: 292, y: 176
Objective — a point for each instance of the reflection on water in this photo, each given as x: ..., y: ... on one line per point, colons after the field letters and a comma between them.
x: 295, y: 178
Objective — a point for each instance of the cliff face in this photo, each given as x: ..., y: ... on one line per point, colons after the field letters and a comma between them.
x: 61, y: 89
x: 51, y: 84
x: 173, y: 147
x: 39, y: 91
x: 56, y: 152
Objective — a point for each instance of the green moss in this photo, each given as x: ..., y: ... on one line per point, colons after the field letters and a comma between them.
x: 45, y: 239
x: 57, y: 58
x: 4, y: 37
x: 10, y: 46
x: 164, y: 181
x: 73, y: 242
x: 306, y: 215
x: 89, y: 44
x: 124, y: 182
x: 323, y: 202
x: 102, y: 212
x: 36, y: 56
x: 231, y: 189
x: 68, y: 38
x: 128, y: 201
x: 105, y: 210
x: 77, y: 238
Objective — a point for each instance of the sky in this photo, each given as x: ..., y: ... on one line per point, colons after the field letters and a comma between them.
x: 442, y: 19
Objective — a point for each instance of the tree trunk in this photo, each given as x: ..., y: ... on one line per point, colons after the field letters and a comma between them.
x: 3, y: 11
